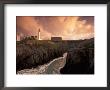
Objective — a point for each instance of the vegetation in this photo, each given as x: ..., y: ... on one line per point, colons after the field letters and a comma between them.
x: 80, y: 59
x: 36, y: 53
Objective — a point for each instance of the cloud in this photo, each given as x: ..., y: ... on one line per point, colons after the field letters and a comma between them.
x: 68, y: 27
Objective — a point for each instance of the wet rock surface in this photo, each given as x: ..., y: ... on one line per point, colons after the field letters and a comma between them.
x: 53, y: 67
x: 46, y: 57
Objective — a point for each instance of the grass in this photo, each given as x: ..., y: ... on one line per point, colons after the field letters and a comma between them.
x: 32, y: 53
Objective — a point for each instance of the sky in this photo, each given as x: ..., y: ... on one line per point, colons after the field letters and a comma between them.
x: 67, y: 27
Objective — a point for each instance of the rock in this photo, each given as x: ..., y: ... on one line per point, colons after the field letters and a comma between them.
x: 53, y: 67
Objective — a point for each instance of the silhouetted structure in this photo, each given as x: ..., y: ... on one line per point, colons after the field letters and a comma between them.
x: 56, y: 38
x: 39, y: 34
x: 18, y: 37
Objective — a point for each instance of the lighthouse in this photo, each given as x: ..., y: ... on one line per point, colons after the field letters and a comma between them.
x: 18, y: 37
x: 39, y: 34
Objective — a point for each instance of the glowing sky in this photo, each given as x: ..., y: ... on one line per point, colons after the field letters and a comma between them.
x: 67, y: 27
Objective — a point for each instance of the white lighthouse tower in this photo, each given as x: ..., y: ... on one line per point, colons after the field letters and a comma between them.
x: 18, y: 37
x: 39, y: 34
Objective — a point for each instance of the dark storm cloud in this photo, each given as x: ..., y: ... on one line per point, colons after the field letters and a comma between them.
x: 89, y: 19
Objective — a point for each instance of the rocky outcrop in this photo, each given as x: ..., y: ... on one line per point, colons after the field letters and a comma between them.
x: 38, y: 53
x: 43, y: 55
x: 53, y: 67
